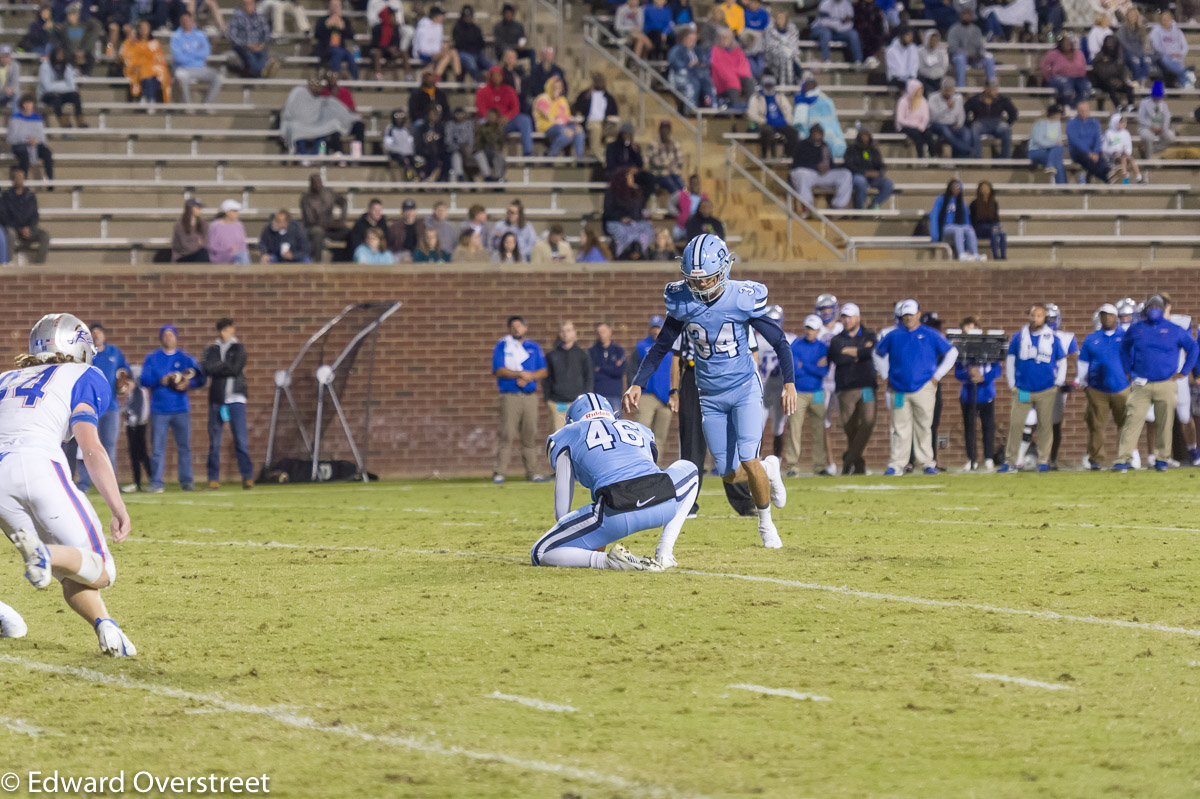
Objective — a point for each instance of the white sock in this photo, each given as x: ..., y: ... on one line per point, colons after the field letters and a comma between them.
x: 672, y: 529
x: 764, y: 515
x: 574, y: 558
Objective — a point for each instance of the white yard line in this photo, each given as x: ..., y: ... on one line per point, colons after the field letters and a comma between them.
x: 882, y: 487
x: 762, y: 689
x: 954, y: 508
x: 1049, y: 686
x: 22, y: 727
x: 262, y: 544
x: 536, y: 704
x: 292, y: 719
x: 1034, y: 523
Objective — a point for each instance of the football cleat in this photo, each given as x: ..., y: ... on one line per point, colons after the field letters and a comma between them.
x: 666, y: 560
x: 1006, y: 469
x: 1161, y: 466
x: 890, y: 472
x: 1120, y: 467
x: 621, y: 559
x: 11, y: 623
x: 1043, y: 467
x: 113, y: 642
x: 770, y: 536
x: 37, y: 558
x: 775, y: 478
x: 932, y: 470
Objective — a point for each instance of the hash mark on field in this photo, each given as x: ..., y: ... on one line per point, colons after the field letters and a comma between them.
x: 762, y: 689
x: 23, y: 727
x: 537, y: 704
x: 291, y: 719
x: 968, y: 507
x: 1049, y: 686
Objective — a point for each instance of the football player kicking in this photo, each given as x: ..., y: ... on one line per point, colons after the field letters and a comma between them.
x: 615, y: 459
x: 55, y: 394
x: 715, y: 313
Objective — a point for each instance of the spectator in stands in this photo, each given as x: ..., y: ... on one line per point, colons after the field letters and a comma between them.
x: 731, y: 78
x: 371, y: 251
x: 625, y: 216
x: 703, y: 221
x: 950, y: 221
x: 912, y: 116
x: 772, y: 113
x: 189, y: 240
x: 1154, y: 121
x: 871, y: 26
x: 277, y: 8
x: 497, y: 95
x: 1084, y: 142
x: 990, y: 113
x: 835, y: 22
x: 403, y: 235
x: 476, y: 222
x: 1065, y: 70
x: 227, y: 236
x: 390, y: 37
x: 224, y: 363
x: 689, y: 71
x: 867, y: 171
x: 308, y: 119
x: 985, y: 218
x: 334, y: 89
x: 514, y: 222
x: 1118, y: 150
x: 169, y: 406
x: 508, y: 251
x: 56, y: 87
x: 250, y: 33
x: 1108, y: 74
x: 323, y: 212
x: 902, y: 59
x: 470, y: 249
x: 592, y: 248
x: 683, y: 12
x: 469, y: 44
x: 658, y: 24
x: 948, y: 120
x: 663, y: 247
x: 552, y: 116
x: 781, y: 48
x: 190, y: 49
x: 1046, y: 144
x: 38, y: 39
x: 629, y: 21
x: 27, y: 137
x: 813, y: 168
x: 734, y: 15
x: 19, y: 217
x: 933, y: 62
x: 77, y: 36
x: 430, y: 251
x: 758, y: 19
x: 371, y: 219
x: 967, y: 47
x: 568, y: 375
x: 553, y: 249
x: 334, y: 38
x: 1134, y: 37
x: 1101, y: 29
x: 544, y: 69
x: 145, y: 66
x: 665, y: 160
x: 1020, y: 15
x: 623, y: 151
x: 508, y: 34
x: 460, y: 142
x: 428, y: 45
x: 283, y: 240
x: 710, y: 31
x: 438, y: 221
x: 683, y: 204
x: 598, y: 110
x: 978, y: 401
x: 608, y: 362
x: 10, y: 76
x: 814, y: 107
x: 399, y: 145
x: 207, y: 14
x: 489, y: 147
x: 1170, y: 46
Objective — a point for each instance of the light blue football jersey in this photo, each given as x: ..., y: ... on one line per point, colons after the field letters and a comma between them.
x: 604, y: 451
x: 719, y: 331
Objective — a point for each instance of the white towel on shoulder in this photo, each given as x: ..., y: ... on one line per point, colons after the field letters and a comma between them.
x: 1043, y: 351
x: 515, y: 354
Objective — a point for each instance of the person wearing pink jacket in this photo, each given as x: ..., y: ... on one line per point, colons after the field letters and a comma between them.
x: 912, y: 116
x: 1065, y: 69
x: 732, y: 80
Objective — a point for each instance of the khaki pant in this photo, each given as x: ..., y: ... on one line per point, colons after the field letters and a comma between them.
x: 1043, y: 403
x: 558, y: 419
x: 518, y: 416
x: 1098, y: 406
x: 1163, y: 395
x: 912, y: 425
x: 807, y: 409
x: 653, y: 413
x: 858, y: 422
x: 596, y: 137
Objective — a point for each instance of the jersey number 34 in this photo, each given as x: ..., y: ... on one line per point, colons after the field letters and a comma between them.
x: 726, y: 343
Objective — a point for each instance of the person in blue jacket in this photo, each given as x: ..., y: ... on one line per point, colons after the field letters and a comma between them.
x: 950, y: 221
x: 170, y: 373
x: 978, y: 400
x: 811, y: 358
x: 1102, y: 372
x: 1150, y: 353
x: 1083, y: 143
x: 1035, y: 368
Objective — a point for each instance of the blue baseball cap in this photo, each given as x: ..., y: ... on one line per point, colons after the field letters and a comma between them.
x: 165, y: 328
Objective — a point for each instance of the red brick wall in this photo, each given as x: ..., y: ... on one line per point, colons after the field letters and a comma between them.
x: 434, y: 398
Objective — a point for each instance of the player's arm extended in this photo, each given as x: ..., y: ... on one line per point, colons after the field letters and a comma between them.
x: 671, y: 329
x: 564, y: 484
x: 84, y: 427
x: 772, y: 333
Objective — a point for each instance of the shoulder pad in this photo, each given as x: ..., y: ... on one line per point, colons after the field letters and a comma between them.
x: 751, y: 296
x: 676, y: 295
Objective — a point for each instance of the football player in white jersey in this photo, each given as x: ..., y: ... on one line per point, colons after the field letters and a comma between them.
x: 55, y: 394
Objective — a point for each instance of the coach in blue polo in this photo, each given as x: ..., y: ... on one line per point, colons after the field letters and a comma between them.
x: 1102, y: 372
x: 1035, y: 368
x: 111, y: 362
x: 918, y: 357
x: 518, y: 365
x: 1151, y: 353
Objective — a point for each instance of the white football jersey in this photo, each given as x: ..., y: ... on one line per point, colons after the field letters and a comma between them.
x: 36, y: 404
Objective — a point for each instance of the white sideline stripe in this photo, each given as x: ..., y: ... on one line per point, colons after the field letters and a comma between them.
x: 1049, y: 686
x: 536, y: 704
x: 949, y: 603
x: 1034, y: 523
x: 23, y: 727
x: 883, y: 487
x: 762, y: 689
x: 264, y: 544
x: 292, y: 719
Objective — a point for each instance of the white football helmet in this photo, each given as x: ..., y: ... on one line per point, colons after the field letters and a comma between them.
x: 61, y: 332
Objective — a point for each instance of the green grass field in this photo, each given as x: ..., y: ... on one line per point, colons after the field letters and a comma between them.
x: 348, y: 640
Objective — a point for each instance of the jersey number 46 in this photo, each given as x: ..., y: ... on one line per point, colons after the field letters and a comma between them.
x: 627, y: 432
